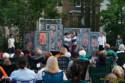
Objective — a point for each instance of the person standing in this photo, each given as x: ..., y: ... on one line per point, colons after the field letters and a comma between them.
x: 11, y: 44
x: 67, y: 40
x: 101, y: 41
x: 119, y: 41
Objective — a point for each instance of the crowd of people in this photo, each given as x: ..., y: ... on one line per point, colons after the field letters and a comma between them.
x: 27, y: 66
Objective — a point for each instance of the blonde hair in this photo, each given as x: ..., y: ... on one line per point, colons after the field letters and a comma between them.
x: 52, y: 64
x: 111, y: 78
x: 118, y: 71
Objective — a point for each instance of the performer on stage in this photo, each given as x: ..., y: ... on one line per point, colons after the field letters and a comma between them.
x: 11, y: 44
x: 74, y: 49
x: 67, y: 40
x: 101, y: 41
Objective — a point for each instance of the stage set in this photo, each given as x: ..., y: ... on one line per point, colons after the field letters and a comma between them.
x: 49, y: 36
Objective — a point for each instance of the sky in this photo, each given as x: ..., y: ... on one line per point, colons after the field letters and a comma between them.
x: 103, y: 5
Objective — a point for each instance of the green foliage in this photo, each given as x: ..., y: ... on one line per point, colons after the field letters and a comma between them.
x: 25, y: 13
x: 113, y: 20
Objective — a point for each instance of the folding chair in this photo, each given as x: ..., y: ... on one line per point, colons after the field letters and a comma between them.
x: 24, y: 81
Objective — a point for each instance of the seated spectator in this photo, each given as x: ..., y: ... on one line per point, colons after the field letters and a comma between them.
x: 37, y: 60
x: 116, y: 76
x: 28, y: 49
x: 23, y: 73
x: 3, y: 73
x: 63, y: 62
x: 77, y: 71
x: 8, y: 66
x: 51, y: 73
x: 121, y: 49
x: 119, y: 72
x: 3, y: 76
x: 83, y: 56
x: 64, y: 52
x: 115, y: 49
x: 18, y: 53
x: 121, y: 55
x: 110, y: 52
x: 101, y: 61
x: 111, y: 78
x: 47, y: 55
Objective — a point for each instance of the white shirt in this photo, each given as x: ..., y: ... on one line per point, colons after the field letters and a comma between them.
x: 39, y: 74
x: 67, y: 39
x: 11, y: 42
x: 102, y: 40
x: 23, y: 74
x: 75, y: 40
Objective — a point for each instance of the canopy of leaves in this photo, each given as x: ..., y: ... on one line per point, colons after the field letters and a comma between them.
x: 25, y: 13
x: 113, y: 19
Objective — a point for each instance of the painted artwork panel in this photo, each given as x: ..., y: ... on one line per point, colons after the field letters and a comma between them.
x: 94, y: 41
x: 42, y: 40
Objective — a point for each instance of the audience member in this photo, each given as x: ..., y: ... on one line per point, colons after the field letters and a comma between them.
x: 8, y: 66
x: 121, y: 55
x: 77, y: 71
x: 37, y: 60
x: 101, y: 61
x: 119, y: 72
x: 64, y: 52
x: 23, y: 73
x: 121, y: 49
x: 51, y: 73
x: 83, y: 56
x: 111, y: 54
x: 111, y: 78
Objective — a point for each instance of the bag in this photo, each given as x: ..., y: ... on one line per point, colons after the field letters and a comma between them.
x: 52, y: 78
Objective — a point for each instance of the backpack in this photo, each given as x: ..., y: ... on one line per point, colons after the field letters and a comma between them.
x: 52, y: 78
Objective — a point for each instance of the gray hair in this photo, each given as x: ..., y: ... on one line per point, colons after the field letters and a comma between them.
x: 122, y: 47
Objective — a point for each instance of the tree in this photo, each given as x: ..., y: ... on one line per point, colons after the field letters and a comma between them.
x: 113, y: 19
x: 25, y: 13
